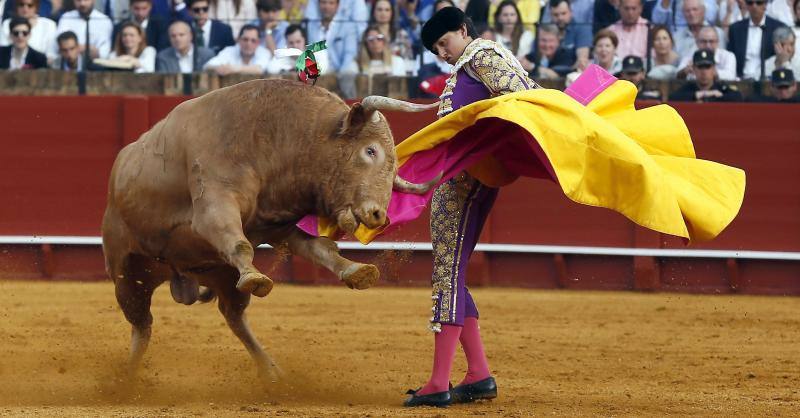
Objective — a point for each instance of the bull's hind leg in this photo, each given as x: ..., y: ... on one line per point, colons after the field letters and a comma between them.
x: 134, y: 290
x: 232, y: 304
x: 325, y: 252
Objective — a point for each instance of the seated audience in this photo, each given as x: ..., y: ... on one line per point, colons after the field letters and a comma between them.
x: 548, y: 60
x: 246, y: 57
x: 131, y: 48
x: 18, y: 55
x: 270, y: 28
x: 69, y: 53
x: 182, y: 56
x: 375, y: 57
x: 99, y: 28
x: 509, y: 29
x: 631, y: 29
x: 43, y: 30
x: 633, y: 71
x: 153, y: 25
x: 705, y: 87
x: 786, y: 57
x: 663, y: 58
x: 209, y: 33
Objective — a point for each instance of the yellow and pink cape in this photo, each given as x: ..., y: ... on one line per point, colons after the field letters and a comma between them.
x: 590, y: 140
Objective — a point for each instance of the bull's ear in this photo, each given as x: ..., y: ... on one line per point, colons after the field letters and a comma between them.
x: 355, y: 120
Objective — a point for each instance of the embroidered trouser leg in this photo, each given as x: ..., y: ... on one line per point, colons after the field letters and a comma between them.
x: 459, y: 209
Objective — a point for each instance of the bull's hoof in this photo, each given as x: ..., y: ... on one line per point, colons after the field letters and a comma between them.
x: 255, y: 283
x: 360, y: 276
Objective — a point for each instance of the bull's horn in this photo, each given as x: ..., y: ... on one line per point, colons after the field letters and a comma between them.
x: 371, y: 103
x: 406, y: 186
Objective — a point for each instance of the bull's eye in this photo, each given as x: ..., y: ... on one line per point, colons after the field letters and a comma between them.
x: 371, y: 152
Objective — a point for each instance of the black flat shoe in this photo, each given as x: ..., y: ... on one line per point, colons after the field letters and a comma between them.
x: 438, y: 399
x: 484, y: 389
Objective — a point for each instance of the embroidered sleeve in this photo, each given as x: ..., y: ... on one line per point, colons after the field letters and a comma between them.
x: 499, y: 75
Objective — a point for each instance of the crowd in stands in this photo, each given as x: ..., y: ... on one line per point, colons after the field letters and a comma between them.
x: 707, y: 42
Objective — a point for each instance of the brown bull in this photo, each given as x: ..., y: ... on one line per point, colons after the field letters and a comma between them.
x: 221, y: 174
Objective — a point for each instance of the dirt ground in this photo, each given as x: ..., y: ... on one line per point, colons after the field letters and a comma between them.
x: 351, y: 353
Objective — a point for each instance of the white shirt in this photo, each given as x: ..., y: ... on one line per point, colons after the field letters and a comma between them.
x: 225, y: 11
x: 752, y: 56
x: 724, y: 60
x: 232, y: 56
x: 16, y: 64
x: 186, y: 62
x: 100, y: 28
x: 42, y: 37
x: 147, y: 60
x: 686, y: 44
x: 793, y: 64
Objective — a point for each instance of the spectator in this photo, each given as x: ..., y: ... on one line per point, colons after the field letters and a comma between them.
x: 548, y: 60
x: 131, y: 48
x: 667, y: 12
x: 170, y: 11
x: 705, y: 87
x: 528, y: 12
x: 236, y: 13
x: 85, y: 20
x: 725, y: 61
x: 784, y: 86
x: 246, y: 57
x: 606, y: 12
x: 631, y: 29
x: 270, y: 28
x: 375, y: 57
x: 730, y: 11
x: 209, y: 33
x: 786, y: 56
x: 43, y: 30
x: 296, y: 38
x: 685, y: 37
x: 781, y: 10
x: 69, y: 53
x: 582, y: 12
x: 633, y: 71
x: 292, y: 10
x: 18, y: 55
x: 575, y: 38
x: 510, y: 30
x: 663, y: 58
x: 182, y: 56
x: 340, y: 36
x: 349, y: 12
x: 116, y: 10
x: 604, y: 51
x: 155, y: 26
x: 400, y: 42
x: 749, y: 41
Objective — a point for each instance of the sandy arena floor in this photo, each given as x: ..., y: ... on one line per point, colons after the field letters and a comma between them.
x: 349, y: 353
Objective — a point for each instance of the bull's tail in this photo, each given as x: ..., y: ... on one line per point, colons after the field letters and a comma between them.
x: 206, y: 295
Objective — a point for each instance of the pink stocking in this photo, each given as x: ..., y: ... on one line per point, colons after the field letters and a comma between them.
x: 477, y: 365
x: 445, y: 343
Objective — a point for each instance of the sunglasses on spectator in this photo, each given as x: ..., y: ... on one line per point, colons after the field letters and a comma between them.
x: 26, y: 5
x: 20, y: 33
x: 758, y: 3
x: 200, y: 9
x: 783, y: 87
x: 375, y: 38
x: 703, y: 66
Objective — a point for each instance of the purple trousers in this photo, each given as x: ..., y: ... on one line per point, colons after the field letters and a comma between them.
x: 459, y: 209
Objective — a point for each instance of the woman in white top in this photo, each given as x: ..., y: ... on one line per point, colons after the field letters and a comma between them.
x: 131, y: 47
x: 375, y: 57
x: 663, y: 58
x: 236, y: 13
x: 604, y: 51
x: 43, y: 30
x: 510, y: 31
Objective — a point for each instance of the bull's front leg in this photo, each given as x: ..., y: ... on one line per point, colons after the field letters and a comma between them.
x: 217, y: 217
x: 324, y: 251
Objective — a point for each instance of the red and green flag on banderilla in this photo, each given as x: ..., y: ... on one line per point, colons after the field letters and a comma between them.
x: 306, y: 65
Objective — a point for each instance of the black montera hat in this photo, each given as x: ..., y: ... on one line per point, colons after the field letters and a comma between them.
x: 632, y: 64
x: 703, y: 57
x: 782, y: 77
x: 445, y: 20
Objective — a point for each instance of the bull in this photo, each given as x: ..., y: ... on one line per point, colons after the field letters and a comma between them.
x: 238, y: 167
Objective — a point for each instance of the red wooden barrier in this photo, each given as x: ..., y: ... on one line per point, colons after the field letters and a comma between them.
x: 57, y: 153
